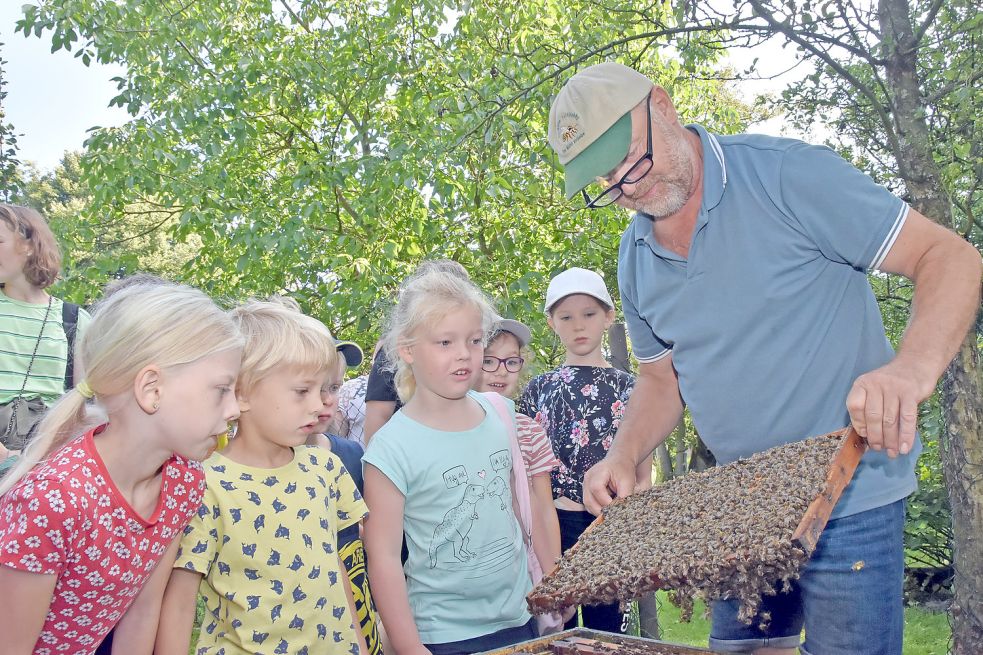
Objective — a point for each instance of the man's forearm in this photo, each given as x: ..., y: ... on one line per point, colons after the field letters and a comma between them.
x: 943, y: 307
x: 653, y: 411
x: 377, y: 413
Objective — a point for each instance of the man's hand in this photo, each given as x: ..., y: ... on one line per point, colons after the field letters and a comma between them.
x: 612, y: 477
x: 883, y: 405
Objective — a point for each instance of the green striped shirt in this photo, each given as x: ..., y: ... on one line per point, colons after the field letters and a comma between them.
x: 20, y: 323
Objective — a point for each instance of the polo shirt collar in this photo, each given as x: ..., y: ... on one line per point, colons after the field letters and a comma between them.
x: 714, y: 168
x: 714, y: 183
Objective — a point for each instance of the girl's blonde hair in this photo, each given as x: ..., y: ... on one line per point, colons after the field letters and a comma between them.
x: 163, y: 323
x: 277, y: 335
x: 44, y: 261
x: 426, y: 297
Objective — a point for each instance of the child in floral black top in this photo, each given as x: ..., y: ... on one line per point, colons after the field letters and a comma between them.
x: 580, y: 405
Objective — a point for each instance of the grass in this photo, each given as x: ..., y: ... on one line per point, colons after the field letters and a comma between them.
x: 926, y: 633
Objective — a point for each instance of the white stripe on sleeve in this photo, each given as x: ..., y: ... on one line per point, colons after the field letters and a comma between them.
x: 892, y: 236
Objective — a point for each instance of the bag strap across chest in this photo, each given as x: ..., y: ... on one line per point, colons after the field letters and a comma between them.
x: 69, y: 322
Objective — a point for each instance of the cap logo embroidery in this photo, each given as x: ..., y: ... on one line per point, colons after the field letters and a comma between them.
x: 569, y: 127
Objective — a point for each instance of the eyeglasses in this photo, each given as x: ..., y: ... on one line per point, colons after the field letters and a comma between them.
x: 512, y: 364
x: 637, y: 171
x: 331, y: 390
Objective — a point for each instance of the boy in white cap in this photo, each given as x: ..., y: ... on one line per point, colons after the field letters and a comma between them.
x: 743, y: 277
x: 580, y: 405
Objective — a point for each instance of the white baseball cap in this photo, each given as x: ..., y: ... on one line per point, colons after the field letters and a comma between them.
x: 590, y: 121
x: 576, y: 280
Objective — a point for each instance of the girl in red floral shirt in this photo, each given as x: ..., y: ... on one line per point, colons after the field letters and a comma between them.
x: 89, y: 516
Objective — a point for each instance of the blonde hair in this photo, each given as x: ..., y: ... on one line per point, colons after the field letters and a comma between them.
x: 426, y: 297
x: 279, y: 336
x: 44, y: 261
x: 163, y: 323
x: 286, y: 301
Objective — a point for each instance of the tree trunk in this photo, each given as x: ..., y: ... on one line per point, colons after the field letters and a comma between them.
x: 648, y: 617
x: 663, y: 463
x: 962, y: 460
x: 962, y: 384
x: 618, y: 343
x: 679, y: 436
x: 648, y: 611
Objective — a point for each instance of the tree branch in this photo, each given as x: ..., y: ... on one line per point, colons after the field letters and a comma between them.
x: 929, y: 19
x: 835, y: 65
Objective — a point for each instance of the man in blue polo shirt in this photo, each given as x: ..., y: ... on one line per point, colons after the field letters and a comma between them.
x: 743, y: 278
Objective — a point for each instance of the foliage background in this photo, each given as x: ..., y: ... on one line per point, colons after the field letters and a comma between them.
x: 322, y: 149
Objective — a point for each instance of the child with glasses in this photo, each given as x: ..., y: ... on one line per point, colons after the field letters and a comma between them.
x: 500, y: 368
x: 580, y: 405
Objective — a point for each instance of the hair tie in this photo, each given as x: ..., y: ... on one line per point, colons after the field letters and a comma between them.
x: 84, y: 389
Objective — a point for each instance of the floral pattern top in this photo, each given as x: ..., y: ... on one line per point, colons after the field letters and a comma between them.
x: 351, y: 409
x: 581, y: 408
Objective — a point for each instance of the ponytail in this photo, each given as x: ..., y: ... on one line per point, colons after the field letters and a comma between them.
x: 152, y: 322
x: 404, y: 381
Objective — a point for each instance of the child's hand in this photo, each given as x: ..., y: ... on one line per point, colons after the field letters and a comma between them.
x: 568, y: 613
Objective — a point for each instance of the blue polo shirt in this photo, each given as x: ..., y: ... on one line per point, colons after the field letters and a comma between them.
x: 771, y: 318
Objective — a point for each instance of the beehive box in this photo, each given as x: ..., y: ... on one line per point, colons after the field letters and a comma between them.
x: 581, y: 641
x: 735, y: 531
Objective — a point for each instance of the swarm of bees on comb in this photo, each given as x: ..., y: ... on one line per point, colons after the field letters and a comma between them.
x: 725, y: 533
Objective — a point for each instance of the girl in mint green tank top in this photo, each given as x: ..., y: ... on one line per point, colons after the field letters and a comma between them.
x: 439, y: 474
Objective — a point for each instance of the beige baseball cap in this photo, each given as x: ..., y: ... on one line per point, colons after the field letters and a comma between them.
x: 590, y: 124
x: 515, y: 328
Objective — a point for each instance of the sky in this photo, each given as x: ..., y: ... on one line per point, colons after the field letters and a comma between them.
x: 53, y: 99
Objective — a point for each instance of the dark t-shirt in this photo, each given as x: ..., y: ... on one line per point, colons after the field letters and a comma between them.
x: 351, y: 549
x: 350, y: 454
x: 580, y: 407
x: 382, y: 381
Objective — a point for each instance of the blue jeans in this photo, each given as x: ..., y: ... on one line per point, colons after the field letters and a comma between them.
x: 493, y: 641
x: 848, y: 598
x: 596, y: 617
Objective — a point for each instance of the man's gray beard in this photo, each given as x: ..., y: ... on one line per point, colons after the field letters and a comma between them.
x: 678, y: 184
